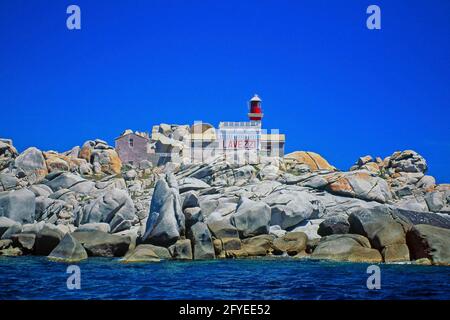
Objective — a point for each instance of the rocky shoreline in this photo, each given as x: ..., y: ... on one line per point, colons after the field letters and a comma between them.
x: 84, y: 203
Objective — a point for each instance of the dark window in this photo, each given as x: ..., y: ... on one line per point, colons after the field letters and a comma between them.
x: 131, y: 142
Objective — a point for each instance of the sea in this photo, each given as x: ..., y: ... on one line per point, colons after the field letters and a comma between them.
x: 37, y: 278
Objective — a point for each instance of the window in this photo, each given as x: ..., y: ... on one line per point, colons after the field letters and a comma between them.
x: 131, y: 142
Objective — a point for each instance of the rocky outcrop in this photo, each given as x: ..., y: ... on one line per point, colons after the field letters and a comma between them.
x: 11, y: 231
x: 292, y: 243
x: 269, y: 172
x: 291, y: 206
x: 95, y: 226
x: 219, y: 173
x: 86, y: 150
x: 202, y: 245
x: 359, y: 184
x: 396, y: 253
x: 335, y: 225
x: 309, y: 227
x: 11, y: 252
x: 429, y: 218
x: 114, y: 207
x: 108, y: 160
x: 346, y: 247
x: 56, y: 162
x: 299, y: 206
x: 190, y: 200
x: 18, y: 205
x: 5, y: 244
x: 41, y: 190
x: 68, y: 250
x: 261, y: 245
x: 406, y: 161
x: 168, y: 139
x: 8, y: 182
x: 24, y: 241
x: 433, y: 243
x: 231, y: 243
x: 369, y: 164
x: 142, y: 253
x: 436, y: 201
x: 161, y: 252
x: 6, y: 223
x: 55, y: 210
x: 181, y: 250
x: 404, y: 172
x: 192, y: 216
x: 7, y: 153
x: 101, y: 244
x: 191, y: 184
x: 102, y: 157
x: 380, y: 226
x: 385, y: 231
x: 217, y: 206
x: 166, y: 221
x: 251, y: 218
x: 60, y: 180
x: 311, y: 160
x: 47, y: 239
x: 31, y: 164
x: 223, y: 229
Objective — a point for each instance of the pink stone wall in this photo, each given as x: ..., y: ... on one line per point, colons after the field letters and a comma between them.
x: 132, y: 154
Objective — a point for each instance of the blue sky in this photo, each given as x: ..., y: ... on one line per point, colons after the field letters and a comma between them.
x: 330, y: 84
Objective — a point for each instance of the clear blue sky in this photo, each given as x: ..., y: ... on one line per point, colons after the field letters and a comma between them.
x: 328, y: 82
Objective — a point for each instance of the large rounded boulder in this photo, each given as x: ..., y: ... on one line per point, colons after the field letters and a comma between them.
x: 142, y: 253
x: 346, y: 247
x: 102, y: 156
x: 433, y: 243
x: 407, y: 161
x: 18, y: 205
x: 102, y: 244
x: 359, y: 184
x: 291, y: 206
x: 114, y: 207
x: 251, y: 218
x: 312, y: 160
x: 31, y: 163
x: 385, y: 230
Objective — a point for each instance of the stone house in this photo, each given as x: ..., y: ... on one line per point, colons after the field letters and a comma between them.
x: 133, y: 147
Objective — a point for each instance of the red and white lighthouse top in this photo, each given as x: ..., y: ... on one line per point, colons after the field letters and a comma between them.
x: 255, y: 113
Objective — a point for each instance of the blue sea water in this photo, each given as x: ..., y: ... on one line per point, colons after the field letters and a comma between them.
x: 101, y: 278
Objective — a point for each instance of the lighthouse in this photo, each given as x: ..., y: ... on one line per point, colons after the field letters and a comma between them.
x: 255, y: 113
x: 238, y: 142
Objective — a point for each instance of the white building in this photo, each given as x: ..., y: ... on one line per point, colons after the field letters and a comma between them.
x: 242, y: 142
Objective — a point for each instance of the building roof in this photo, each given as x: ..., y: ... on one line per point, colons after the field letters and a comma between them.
x: 240, y: 124
x: 210, y: 135
x: 136, y: 134
x: 255, y: 98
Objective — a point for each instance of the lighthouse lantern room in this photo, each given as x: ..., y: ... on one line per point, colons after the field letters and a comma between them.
x: 255, y: 113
